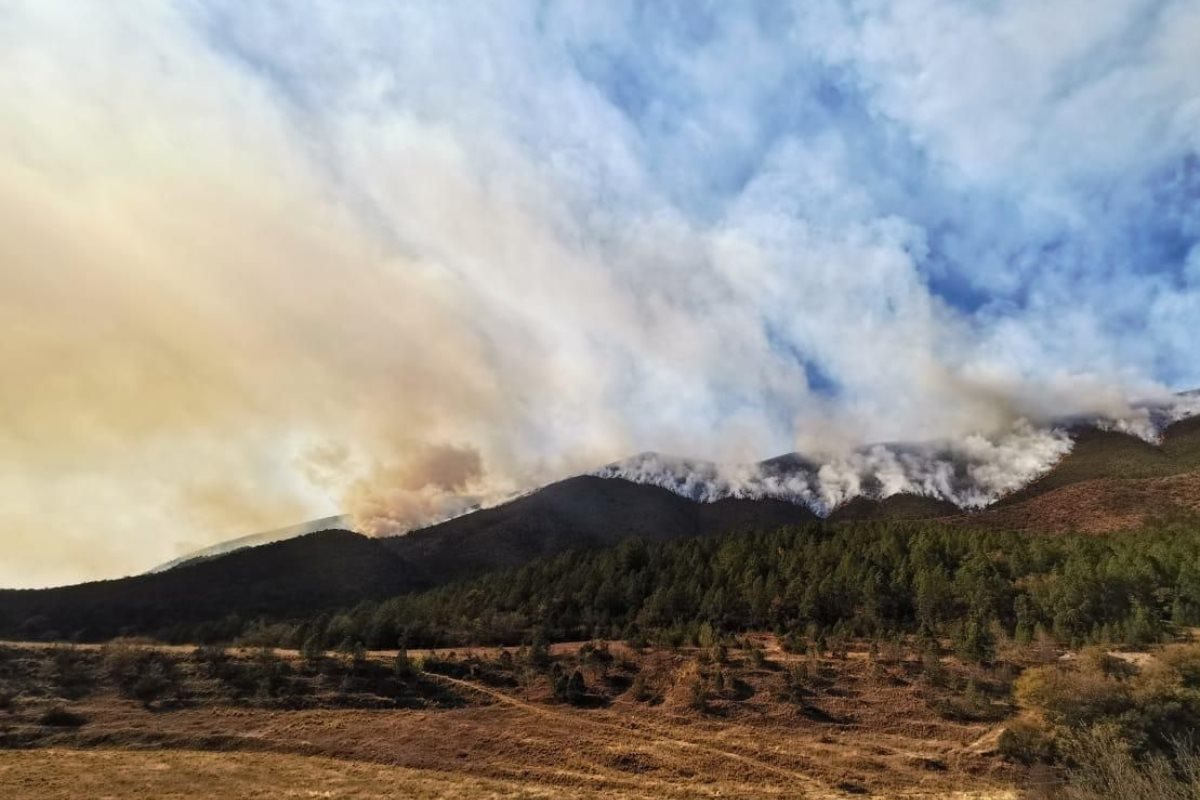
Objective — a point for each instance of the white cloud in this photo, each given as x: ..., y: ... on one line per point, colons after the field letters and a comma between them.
x: 246, y: 237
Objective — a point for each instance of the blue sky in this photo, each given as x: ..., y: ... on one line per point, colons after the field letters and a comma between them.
x: 1037, y: 158
x: 278, y: 259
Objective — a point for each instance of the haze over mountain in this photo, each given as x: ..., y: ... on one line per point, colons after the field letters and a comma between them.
x: 256, y: 539
x: 928, y: 479
x: 1105, y: 481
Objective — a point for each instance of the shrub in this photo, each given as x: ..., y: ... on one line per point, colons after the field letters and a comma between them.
x: 1101, y: 766
x: 1026, y: 743
x: 1073, y: 696
x: 697, y: 693
x: 60, y: 717
x: 640, y: 688
x: 757, y: 658
x: 576, y: 689
x: 794, y: 642
x: 1184, y: 660
x: 402, y: 667
x: 313, y: 649
x: 975, y: 643
x: 72, y: 674
x: 214, y: 660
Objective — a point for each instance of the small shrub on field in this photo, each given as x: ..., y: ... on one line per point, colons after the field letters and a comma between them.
x: 697, y: 692
x: 1184, y: 660
x: 933, y: 672
x: 640, y: 689
x: 313, y: 650
x: 148, y: 676
x: 971, y: 704
x: 60, y: 717
x: 1075, y: 696
x: 1096, y: 698
x: 72, y: 673
x: 213, y: 660
x: 157, y: 681
x: 1100, y: 765
x: 121, y: 661
x: 1026, y: 743
x: 596, y: 655
x: 270, y: 675
x: 794, y: 642
x: 797, y: 683
x: 756, y: 658
x: 403, y: 667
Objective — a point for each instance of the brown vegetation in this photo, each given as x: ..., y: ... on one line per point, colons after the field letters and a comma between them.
x: 744, y: 720
x: 1100, y: 505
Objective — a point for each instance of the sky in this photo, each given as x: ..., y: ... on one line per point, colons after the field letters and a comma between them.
x: 265, y: 262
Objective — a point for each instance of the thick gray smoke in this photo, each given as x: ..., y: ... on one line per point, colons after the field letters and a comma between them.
x: 971, y: 472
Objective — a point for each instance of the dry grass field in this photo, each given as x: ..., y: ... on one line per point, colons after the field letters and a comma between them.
x: 687, y: 727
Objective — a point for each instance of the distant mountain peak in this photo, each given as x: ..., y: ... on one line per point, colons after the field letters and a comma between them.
x: 337, y: 522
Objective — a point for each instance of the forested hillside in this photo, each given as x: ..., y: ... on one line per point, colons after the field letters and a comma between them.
x: 815, y: 581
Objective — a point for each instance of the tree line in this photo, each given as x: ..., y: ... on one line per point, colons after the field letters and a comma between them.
x: 870, y: 579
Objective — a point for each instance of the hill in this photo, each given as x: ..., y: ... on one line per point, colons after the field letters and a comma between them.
x: 285, y: 579
x: 256, y: 539
x: 581, y: 512
x: 1109, y: 482
x: 1109, y: 454
x: 297, y: 577
x: 897, y: 507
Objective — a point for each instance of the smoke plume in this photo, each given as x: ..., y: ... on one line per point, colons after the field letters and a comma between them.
x: 971, y: 472
x: 394, y: 260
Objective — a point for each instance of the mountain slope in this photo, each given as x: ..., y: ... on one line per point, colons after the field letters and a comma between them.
x: 333, y: 569
x: 1097, y: 505
x: 585, y: 511
x: 257, y: 539
x: 1109, y: 481
x: 285, y: 579
x: 895, y: 507
x: 1109, y: 454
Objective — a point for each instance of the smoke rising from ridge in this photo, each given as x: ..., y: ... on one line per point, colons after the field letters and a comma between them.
x: 971, y: 472
x: 262, y: 264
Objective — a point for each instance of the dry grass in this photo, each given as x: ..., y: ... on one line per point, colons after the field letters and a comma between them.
x: 120, y: 774
x: 865, y: 729
x: 1100, y: 505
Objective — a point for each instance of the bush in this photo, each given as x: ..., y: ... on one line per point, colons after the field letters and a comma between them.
x: 313, y: 649
x: 640, y: 688
x: 1101, y: 766
x: 1075, y: 696
x: 576, y: 691
x: 72, y: 674
x: 60, y: 717
x: 697, y: 693
x: 147, y: 676
x: 757, y: 658
x: 1026, y: 743
x: 1184, y: 660
x: 975, y: 643
x: 154, y: 682
x: 1147, y: 710
x: 403, y: 667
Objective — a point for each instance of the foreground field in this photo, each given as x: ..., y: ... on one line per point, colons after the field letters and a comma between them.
x: 105, y: 773
x: 651, y: 724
